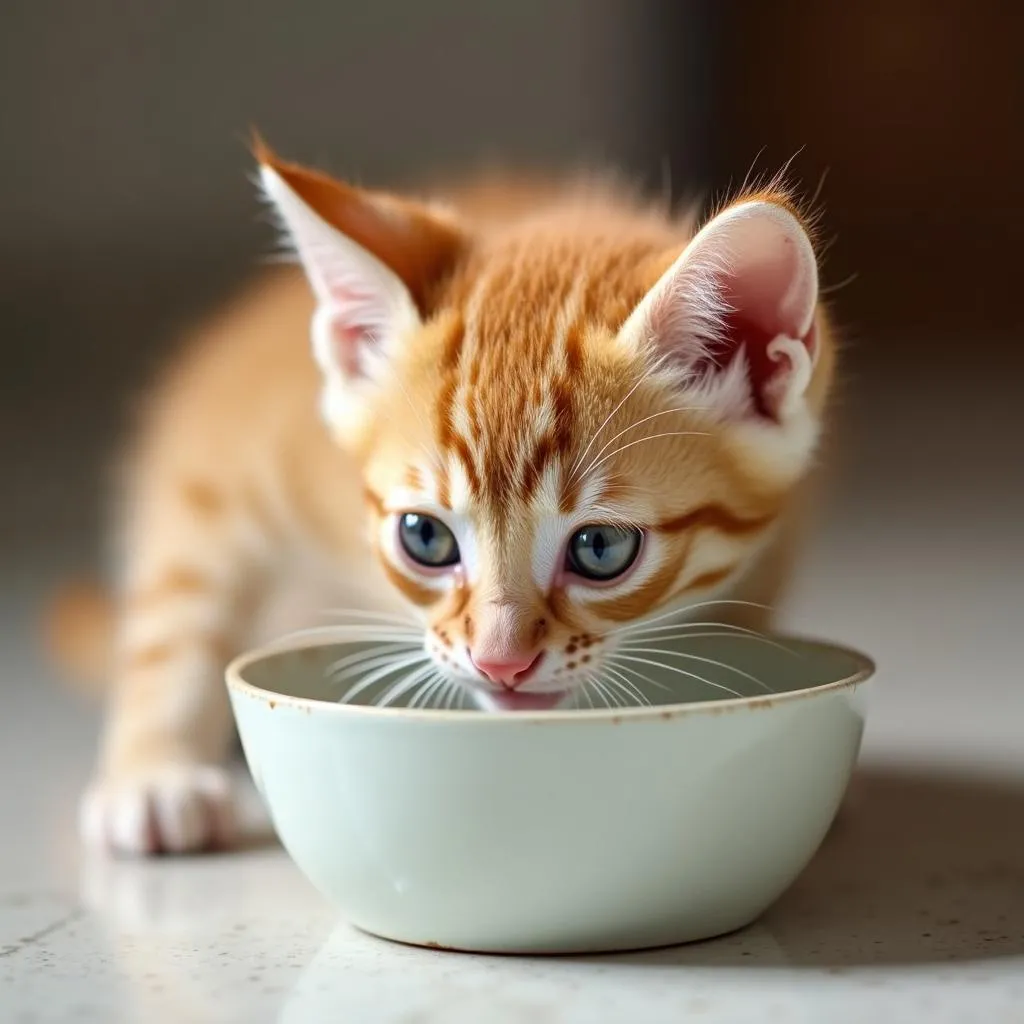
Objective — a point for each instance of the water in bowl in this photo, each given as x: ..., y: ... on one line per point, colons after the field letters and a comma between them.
x: 696, y: 668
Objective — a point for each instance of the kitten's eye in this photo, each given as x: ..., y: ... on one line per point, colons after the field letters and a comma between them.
x: 603, y: 552
x: 427, y: 540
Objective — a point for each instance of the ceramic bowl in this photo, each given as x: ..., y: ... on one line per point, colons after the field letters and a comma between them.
x: 558, y: 831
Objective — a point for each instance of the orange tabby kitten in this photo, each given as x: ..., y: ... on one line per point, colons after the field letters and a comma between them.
x: 532, y: 417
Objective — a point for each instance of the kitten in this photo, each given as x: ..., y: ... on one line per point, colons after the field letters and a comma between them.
x: 533, y: 416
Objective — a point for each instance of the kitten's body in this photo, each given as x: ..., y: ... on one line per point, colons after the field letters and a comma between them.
x: 244, y: 512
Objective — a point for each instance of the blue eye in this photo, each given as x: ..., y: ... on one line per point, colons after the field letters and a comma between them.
x: 427, y: 541
x: 603, y: 552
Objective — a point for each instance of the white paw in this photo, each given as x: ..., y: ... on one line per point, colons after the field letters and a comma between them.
x: 167, y: 808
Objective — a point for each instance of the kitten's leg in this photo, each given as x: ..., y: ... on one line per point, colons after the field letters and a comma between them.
x: 197, y: 565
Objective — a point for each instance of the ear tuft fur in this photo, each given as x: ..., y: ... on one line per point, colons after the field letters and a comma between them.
x: 780, y: 190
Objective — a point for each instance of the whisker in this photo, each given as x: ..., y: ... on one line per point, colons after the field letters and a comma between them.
x: 382, y: 673
x: 607, y: 695
x: 640, y: 628
x: 584, y: 689
x: 680, y: 671
x: 426, y: 695
x: 649, y: 437
x: 644, y: 678
x: 624, y: 697
x: 683, y: 609
x: 697, y: 657
x: 751, y: 635
x: 437, y: 697
x: 599, y: 691
x: 422, y: 692
x: 366, y: 662
x: 733, y: 601
x: 451, y: 693
x: 372, y: 661
x: 630, y: 697
x: 367, y: 683
x: 607, y: 420
x: 595, y: 688
x: 403, y: 686
x: 443, y: 696
x: 336, y: 667
x: 640, y: 423
x: 613, y: 516
x: 419, y: 690
x: 632, y: 688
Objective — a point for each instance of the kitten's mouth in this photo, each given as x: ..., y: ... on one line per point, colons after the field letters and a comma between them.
x: 516, y: 700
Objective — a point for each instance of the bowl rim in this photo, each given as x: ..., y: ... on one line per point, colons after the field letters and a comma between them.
x: 866, y: 669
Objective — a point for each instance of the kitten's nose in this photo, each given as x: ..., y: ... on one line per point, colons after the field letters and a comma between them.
x: 511, y: 670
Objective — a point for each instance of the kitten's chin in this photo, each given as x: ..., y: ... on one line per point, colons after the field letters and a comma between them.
x: 513, y: 700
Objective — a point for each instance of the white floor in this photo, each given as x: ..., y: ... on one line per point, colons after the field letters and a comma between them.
x: 912, y: 911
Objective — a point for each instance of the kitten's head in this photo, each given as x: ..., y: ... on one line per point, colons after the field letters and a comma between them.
x: 567, y: 421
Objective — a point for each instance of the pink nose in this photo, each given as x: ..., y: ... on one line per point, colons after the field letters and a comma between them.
x: 509, y: 671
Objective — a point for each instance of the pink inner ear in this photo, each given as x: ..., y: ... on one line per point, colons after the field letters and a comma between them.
x: 356, y: 317
x: 347, y: 342
x: 768, y: 284
x: 766, y: 375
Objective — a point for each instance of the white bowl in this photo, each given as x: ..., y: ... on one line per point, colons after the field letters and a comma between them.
x: 557, y: 831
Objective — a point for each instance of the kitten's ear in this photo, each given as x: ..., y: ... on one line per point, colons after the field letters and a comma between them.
x: 371, y: 260
x: 735, y: 313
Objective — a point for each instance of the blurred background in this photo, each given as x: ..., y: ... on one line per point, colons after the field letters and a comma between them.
x: 127, y: 210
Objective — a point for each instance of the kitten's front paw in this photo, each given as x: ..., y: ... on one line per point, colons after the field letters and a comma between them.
x: 164, y: 808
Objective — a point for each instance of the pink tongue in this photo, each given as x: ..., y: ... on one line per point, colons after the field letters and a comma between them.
x: 509, y: 700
